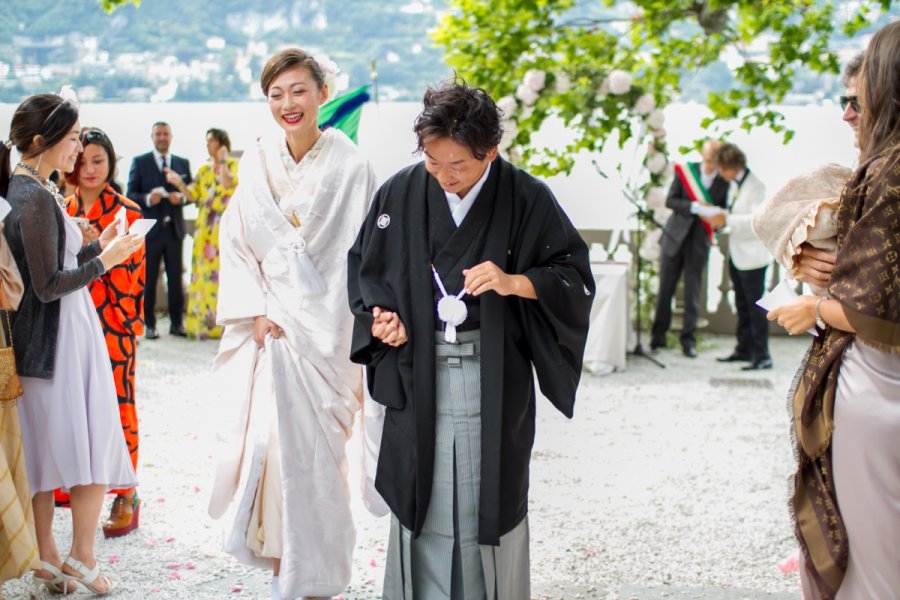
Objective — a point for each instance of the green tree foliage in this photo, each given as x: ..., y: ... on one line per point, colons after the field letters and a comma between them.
x: 604, y: 68
x: 111, y: 5
x: 577, y: 44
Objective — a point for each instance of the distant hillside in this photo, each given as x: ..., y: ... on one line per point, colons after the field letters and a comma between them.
x: 209, y: 50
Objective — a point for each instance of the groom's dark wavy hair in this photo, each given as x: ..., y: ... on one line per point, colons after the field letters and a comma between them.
x: 467, y: 115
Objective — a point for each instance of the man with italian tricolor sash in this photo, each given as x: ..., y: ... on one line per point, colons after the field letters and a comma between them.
x: 696, y: 195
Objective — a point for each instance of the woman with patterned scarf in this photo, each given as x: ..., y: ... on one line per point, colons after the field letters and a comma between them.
x: 846, y: 400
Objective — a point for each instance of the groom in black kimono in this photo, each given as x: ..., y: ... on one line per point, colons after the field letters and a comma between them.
x: 466, y: 278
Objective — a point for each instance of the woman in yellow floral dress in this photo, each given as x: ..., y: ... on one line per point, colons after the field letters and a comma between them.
x: 211, y: 190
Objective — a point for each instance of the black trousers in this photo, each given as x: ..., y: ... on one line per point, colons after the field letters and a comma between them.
x: 165, y: 245
x: 752, y: 327
x: 690, y: 260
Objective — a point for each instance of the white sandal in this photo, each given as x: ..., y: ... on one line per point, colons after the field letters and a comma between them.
x: 55, y: 585
x: 87, y: 577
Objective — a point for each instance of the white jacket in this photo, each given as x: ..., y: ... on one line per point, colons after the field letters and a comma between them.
x: 745, y: 249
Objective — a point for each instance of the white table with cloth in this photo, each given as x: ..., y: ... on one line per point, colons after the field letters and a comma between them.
x: 608, y: 334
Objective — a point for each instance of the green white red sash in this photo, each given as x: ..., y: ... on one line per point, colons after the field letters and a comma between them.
x: 689, y: 174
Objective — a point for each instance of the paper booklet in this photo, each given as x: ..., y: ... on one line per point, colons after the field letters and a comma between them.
x: 781, y: 294
x: 141, y: 226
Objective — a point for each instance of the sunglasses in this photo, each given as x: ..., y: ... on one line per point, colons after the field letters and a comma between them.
x: 91, y: 136
x: 853, y: 101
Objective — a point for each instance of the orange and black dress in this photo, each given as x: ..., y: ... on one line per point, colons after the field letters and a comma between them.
x: 118, y: 295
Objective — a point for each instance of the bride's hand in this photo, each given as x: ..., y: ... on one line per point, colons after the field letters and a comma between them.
x: 263, y: 326
x: 388, y: 327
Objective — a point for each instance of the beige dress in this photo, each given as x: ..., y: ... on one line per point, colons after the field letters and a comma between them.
x: 18, y: 547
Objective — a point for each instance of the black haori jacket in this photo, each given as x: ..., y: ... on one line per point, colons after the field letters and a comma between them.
x: 389, y: 266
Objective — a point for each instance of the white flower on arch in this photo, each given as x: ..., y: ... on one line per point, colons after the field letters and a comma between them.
x: 535, y: 79
x: 619, y: 82
x: 527, y: 95
x: 656, y: 119
x: 644, y: 104
x: 508, y: 106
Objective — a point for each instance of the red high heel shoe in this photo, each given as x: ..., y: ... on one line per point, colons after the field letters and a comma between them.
x: 124, y: 517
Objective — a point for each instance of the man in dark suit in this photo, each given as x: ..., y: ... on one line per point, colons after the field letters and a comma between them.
x: 696, y: 192
x: 148, y: 185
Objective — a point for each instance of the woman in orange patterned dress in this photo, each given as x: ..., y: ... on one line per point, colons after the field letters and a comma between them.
x: 118, y: 296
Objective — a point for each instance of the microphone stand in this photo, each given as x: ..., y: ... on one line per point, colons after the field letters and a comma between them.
x: 641, y: 214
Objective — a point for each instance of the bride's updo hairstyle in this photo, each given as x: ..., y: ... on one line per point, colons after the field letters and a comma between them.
x: 287, y: 59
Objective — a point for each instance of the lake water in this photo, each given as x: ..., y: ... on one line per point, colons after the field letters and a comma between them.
x: 386, y: 139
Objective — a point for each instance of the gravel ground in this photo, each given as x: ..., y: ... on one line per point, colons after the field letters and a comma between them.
x: 669, y: 483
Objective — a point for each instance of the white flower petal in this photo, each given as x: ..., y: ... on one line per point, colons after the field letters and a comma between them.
x: 619, y: 82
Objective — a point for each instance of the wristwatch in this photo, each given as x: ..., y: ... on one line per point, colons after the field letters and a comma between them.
x: 820, y: 323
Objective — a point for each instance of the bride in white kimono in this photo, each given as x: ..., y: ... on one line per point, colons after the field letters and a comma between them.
x: 283, y: 370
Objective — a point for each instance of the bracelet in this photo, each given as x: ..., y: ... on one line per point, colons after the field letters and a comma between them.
x: 820, y: 322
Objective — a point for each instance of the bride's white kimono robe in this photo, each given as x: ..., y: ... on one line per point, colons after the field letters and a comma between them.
x: 294, y: 399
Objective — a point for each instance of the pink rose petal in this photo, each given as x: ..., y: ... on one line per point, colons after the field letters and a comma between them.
x: 114, y: 559
x: 369, y: 582
x: 196, y: 489
x: 789, y: 565
x: 152, y: 542
x: 170, y: 539
x: 235, y: 589
x: 373, y: 563
x: 174, y: 575
x: 190, y: 566
x: 590, y: 552
x: 161, y: 500
x: 154, y: 590
x: 379, y: 549
x: 173, y: 566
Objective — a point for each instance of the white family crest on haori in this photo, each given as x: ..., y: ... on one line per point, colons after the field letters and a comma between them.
x: 294, y: 399
x: 383, y: 221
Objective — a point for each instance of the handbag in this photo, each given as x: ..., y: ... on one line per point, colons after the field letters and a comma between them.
x: 10, y: 386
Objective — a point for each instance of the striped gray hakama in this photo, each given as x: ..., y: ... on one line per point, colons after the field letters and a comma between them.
x: 446, y: 562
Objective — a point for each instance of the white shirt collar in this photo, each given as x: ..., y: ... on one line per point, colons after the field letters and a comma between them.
x: 157, y: 156
x: 459, y: 207
x: 707, y: 180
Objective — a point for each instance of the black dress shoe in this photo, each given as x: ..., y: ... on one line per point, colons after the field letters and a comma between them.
x: 735, y: 357
x: 178, y: 331
x: 151, y: 333
x: 689, y: 349
x: 657, y: 344
x: 759, y: 365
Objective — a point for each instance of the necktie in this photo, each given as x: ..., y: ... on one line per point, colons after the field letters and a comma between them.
x: 162, y: 163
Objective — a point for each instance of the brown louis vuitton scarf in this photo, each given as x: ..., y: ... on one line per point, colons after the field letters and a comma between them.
x: 866, y: 280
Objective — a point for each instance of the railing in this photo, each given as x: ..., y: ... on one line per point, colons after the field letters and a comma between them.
x: 717, y: 311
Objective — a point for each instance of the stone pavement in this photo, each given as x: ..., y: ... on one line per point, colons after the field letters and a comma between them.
x: 668, y: 484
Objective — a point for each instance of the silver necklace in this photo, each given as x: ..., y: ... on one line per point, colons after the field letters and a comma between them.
x: 47, y: 185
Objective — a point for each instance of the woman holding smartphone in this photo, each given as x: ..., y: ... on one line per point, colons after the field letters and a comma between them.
x: 118, y: 296
x: 70, y: 430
